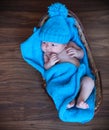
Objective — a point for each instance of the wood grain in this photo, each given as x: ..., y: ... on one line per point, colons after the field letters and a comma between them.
x: 24, y: 104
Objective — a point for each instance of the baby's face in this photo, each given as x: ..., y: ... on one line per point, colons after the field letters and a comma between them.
x: 52, y: 47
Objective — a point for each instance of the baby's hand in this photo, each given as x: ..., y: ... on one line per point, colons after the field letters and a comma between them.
x: 72, y: 52
x: 53, y: 59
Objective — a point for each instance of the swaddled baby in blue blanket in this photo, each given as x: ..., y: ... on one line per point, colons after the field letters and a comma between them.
x: 68, y: 52
x: 62, y: 60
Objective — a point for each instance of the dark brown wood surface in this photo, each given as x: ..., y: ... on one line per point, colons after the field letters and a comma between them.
x: 24, y: 104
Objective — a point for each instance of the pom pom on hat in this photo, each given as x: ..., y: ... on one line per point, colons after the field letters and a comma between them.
x: 57, y: 9
x: 56, y: 28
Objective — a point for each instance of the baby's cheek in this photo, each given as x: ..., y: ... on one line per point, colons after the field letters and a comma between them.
x: 43, y: 48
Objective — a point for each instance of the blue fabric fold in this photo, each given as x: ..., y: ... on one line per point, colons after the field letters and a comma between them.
x: 31, y: 51
x: 62, y: 80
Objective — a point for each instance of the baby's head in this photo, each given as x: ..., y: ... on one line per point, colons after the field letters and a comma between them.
x: 50, y: 47
x: 55, y: 32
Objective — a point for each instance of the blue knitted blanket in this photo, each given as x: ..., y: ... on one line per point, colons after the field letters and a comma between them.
x: 63, y: 84
x: 63, y: 79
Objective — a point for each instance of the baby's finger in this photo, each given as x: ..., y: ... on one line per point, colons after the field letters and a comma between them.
x: 53, y: 56
x: 71, y: 55
x: 70, y: 52
x: 56, y: 60
x: 68, y: 49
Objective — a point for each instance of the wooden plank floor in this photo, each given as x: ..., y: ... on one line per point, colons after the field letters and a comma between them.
x: 24, y: 105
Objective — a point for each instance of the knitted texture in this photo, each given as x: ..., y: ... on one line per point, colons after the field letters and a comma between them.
x: 57, y: 9
x: 56, y: 28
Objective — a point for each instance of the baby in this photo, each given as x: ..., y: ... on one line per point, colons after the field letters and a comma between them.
x: 56, y: 53
x: 55, y: 35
